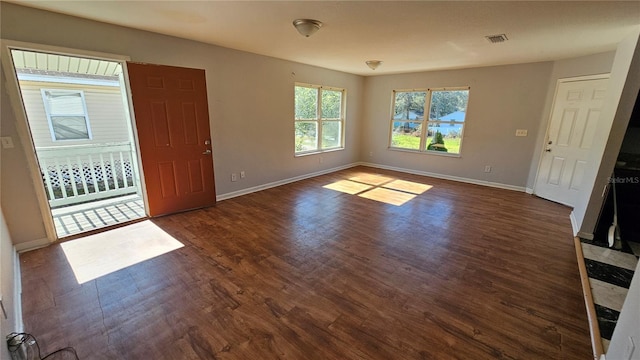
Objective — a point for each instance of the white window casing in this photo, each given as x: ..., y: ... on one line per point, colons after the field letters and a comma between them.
x: 429, y: 120
x: 319, y: 118
x: 67, y: 114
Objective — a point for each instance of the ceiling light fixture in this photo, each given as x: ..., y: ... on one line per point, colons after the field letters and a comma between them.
x: 307, y: 27
x: 373, y: 64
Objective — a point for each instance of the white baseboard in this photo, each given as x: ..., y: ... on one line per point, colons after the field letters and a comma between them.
x: 529, y: 190
x: 373, y: 165
x: 447, y: 177
x: 585, y: 235
x: 574, y: 224
x: 281, y: 182
x: 32, y: 245
x: 576, y: 228
x: 17, y: 292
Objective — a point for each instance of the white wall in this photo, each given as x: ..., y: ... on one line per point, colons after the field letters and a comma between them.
x: 622, y: 92
x: 501, y: 100
x: 250, y: 105
x: 10, y: 297
x: 17, y: 195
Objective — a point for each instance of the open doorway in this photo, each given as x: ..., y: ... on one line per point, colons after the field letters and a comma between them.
x: 78, y: 119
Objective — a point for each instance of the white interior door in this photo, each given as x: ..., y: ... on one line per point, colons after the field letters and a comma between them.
x: 572, y: 129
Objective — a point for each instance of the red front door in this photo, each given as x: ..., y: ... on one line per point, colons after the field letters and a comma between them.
x: 172, y: 119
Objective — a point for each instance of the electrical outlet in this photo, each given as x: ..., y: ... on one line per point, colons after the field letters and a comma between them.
x: 370, y: 153
x: 487, y: 168
x: 234, y: 177
x: 242, y: 174
x: 521, y: 132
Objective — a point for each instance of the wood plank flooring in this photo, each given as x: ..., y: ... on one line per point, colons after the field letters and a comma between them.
x: 305, y: 271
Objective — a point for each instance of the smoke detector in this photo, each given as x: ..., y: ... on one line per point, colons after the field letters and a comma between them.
x: 494, y: 39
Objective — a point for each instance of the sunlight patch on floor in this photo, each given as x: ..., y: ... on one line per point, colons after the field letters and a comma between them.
x: 380, y: 188
x: 407, y: 186
x: 387, y: 196
x: 347, y: 186
x: 371, y: 179
x: 97, y: 255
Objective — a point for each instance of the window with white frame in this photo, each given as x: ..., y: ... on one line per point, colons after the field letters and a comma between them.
x: 319, y: 118
x: 67, y: 114
x: 430, y: 120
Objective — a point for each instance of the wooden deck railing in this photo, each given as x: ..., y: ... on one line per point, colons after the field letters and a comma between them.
x: 80, y: 173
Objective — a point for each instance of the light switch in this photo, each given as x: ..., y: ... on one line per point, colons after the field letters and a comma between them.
x: 7, y: 142
x: 521, y: 132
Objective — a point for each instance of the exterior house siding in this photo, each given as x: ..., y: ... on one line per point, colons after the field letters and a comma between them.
x: 104, y: 109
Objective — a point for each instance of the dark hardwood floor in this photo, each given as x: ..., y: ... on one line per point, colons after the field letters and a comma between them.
x: 306, y: 272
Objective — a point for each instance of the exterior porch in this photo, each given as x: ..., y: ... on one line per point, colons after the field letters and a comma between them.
x: 90, y: 186
x: 74, y: 219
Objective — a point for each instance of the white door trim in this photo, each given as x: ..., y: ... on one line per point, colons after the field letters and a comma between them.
x: 542, y: 146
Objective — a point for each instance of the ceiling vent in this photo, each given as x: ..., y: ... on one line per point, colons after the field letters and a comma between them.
x: 497, y: 38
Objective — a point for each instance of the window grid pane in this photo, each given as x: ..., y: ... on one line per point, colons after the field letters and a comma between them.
x: 331, y: 104
x: 64, y: 102
x: 306, y: 103
x: 70, y: 127
x: 444, y: 137
x: 331, y: 134
x: 306, y: 136
x: 406, y: 135
x: 409, y: 105
x: 448, y: 105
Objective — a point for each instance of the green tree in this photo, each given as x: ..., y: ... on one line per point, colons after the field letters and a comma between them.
x: 437, y: 143
x: 305, y: 136
x: 407, y: 102
x: 445, y: 102
x: 331, y: 104
x: 306, y: 103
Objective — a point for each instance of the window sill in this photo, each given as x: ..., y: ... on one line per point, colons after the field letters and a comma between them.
x: 426, y: 152
x: 315, y: 152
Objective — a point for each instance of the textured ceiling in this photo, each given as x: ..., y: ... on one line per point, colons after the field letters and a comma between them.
x: 407, y: 36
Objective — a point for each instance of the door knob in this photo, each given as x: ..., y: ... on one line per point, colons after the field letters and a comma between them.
x: 206, y: 152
